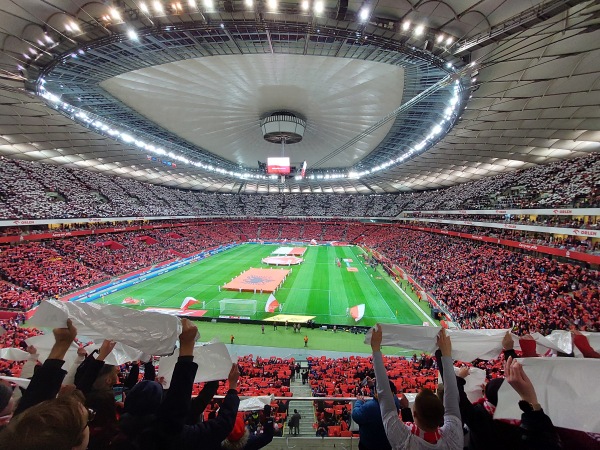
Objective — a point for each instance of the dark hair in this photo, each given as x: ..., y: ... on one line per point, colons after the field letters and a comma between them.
x: 57, y: 424
x: 429, y: 409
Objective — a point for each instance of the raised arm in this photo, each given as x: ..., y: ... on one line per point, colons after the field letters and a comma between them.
x: 47, y: 380
x: 395, y: 430
x: 536, y: 427
x: 451, y: 400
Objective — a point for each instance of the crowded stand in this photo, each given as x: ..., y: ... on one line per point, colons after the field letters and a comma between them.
x: 187, y: 415
x: 15, y: 298
x: 590, y: 223
x: 40, y: 268
x: 14, y: 337
x: 343, y: 377
x: 566, y: 242
x: 37, y: 190
x: 486, y: 286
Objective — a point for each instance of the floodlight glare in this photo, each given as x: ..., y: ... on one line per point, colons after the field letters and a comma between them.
x: 144, y: 8
x: 272, y: 4
x: 363, y: 14
x: 158, y: 7
x: 419, y: 30
x: 305, y: 5
x: 114, y: 13
x: 132, y: 34
x: 405, y: 26
x: 449, y: 41
x: 319, y: 7
x: 439, y: 38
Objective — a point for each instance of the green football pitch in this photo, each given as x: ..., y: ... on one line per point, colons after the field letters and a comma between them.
x: 317, y: 287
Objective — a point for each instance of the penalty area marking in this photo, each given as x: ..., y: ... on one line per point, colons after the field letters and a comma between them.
x: 413, y: 302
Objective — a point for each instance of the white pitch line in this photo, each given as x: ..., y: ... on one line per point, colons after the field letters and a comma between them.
x: 393, y: 316
x: 413, y: 302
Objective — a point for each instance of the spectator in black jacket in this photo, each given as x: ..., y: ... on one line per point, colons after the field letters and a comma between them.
x: 43, y: 421
x: 152, y: 422
x: 538, y: 432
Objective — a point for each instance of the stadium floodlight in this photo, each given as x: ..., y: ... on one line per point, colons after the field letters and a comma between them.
x: 405, y: 25
x: 319, y: 7
x: 209, y: 4
x: 114, y: 13
x: 419, y: 30
x: 305, y: 5
x: 192, y: 4
x: 450, y: 40
x: 439, y: 38
x: 48, y: 39
x: 363, y: 14
x: 249, y: 3
x: 132, y: 34
x: 144, y: 8
x: 272, y: 4
x: 158, y: 7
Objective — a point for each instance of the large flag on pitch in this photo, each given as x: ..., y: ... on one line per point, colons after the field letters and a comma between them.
x: 357, y: 312
x: 187, y: 302
x: 272, y: 304
x: 130, y: 301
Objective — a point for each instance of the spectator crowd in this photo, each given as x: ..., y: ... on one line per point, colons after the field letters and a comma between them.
x: 33, y: 190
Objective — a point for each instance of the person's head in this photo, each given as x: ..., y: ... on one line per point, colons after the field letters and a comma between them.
x: 428, y: 410
x: 295, y: 411
x: 144, y: 399
x: 238, y: 438
x: 107, y: 378
x: 392, y: 387
x: 59, y: 424
x: 103, y: 402
x: 491, y: 390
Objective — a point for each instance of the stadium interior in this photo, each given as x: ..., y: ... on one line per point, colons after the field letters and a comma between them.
x: 295, y: 184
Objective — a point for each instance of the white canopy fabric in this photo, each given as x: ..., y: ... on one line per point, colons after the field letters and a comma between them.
x: 213, y: 359
x: 467, y: 345
x: 557, y: 382
x: 149, y: 332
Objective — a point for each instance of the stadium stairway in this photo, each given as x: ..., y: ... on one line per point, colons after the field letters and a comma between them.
x: 305, y: 408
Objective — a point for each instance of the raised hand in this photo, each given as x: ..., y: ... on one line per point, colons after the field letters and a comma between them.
x: 463, y: 372
x: 63, y: 338
x: 376, y: 338
x: 105, y: 349
x: 507, y: 341
x: 444, y: 343
x: 234, y: 376
x: 520, y: 382
x: 187, y: 338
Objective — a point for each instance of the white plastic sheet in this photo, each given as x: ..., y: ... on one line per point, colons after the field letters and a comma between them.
x: 149, y: 332
x: 21, y: 382
x: 255, y: 403
x: 473, y: 383
x: 564, y: 341
x: 14, y: 354
x: 44, y: 343
x: 407, y: 336
x: 466, y: 344
x: 120, y: 354
x: 559, y: 382
x: 213, y: 359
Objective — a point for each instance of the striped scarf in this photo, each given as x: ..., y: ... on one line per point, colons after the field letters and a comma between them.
x: 428, y: 436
